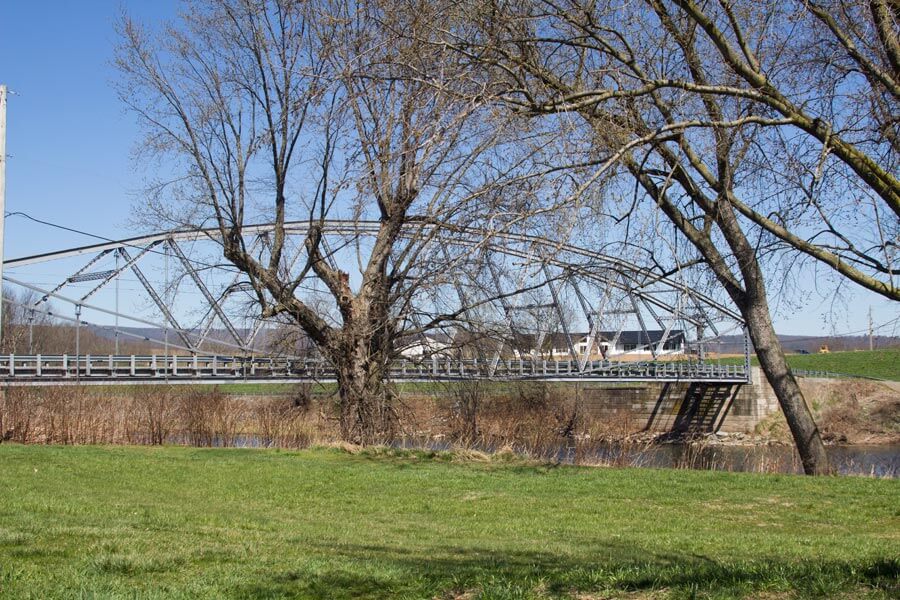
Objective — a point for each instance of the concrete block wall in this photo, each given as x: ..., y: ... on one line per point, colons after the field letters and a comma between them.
x: 656, y: 406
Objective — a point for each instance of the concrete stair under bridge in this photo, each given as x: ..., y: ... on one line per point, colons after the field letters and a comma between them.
x: 703, y: 408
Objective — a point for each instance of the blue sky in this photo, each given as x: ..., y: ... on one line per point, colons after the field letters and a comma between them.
x: 69, y: 137
x: 71, y: 141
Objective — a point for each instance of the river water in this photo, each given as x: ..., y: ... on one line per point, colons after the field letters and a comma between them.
x: 868, y: 460
x: 877, y: 461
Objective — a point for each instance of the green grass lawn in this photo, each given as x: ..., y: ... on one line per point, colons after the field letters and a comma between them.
x: 883, y: 364
x: 117, y: 522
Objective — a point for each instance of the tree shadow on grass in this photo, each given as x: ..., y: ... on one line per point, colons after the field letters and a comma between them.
x: 375, y: 572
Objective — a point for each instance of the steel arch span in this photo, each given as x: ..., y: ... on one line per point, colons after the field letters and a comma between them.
x: 480, y: 303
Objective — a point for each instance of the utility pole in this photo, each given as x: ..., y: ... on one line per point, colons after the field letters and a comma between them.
x: 77, y: 343
x: 871, y: 331
x: 167, y: 303
x: 117, y: 303
x: 2, y: 192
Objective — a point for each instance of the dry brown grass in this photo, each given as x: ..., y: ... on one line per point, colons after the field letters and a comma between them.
x: 855, y: 411
x: 534, y: 420
x: 847, y: 411
x: 531, y: 420
x: 161, y: 415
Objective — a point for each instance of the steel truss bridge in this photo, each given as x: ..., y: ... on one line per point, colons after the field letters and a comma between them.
x: 525, y: 306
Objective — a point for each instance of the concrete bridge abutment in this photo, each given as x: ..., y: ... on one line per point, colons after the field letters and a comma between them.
x: 682, y: 406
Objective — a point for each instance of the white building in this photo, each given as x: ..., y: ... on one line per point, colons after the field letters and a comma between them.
x: 631, y: 343
x: 419, y: 346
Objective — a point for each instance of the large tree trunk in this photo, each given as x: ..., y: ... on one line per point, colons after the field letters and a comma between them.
x: 367, y: 414
x: 790, y: 397
x: 754, y: 306
x: 751, y: 300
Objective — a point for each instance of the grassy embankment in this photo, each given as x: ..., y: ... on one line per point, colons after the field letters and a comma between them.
x: 176, y: 522
x: 881, y: 364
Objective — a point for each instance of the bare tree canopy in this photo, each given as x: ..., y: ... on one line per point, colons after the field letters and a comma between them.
x: 753, y: 127
x: 268, y: 111
x: 798, y: 99
x: 759, y: 132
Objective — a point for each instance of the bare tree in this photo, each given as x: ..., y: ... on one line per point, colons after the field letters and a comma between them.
x: 20, y: 321
x: 702, y: 106
x: 273, y: 110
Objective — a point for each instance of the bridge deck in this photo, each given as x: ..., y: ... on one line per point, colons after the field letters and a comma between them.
x: 160, y: 369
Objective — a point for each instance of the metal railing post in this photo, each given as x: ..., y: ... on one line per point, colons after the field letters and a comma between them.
x: 746, y: 354
x: 77, y: 342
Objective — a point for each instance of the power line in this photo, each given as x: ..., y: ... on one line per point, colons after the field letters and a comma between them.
x: 101, y: 237
x: 58, y: 226
x: 193, y: 261
x: 846, y: 334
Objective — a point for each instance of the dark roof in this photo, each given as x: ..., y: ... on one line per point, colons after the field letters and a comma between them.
x: 558, y: 340
x: 638, y: 337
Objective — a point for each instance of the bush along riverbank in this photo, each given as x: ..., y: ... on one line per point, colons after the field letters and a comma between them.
x: 543, y: 422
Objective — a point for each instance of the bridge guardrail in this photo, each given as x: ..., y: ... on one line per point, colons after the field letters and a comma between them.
x: 35, y: 368
x: 832, y: 375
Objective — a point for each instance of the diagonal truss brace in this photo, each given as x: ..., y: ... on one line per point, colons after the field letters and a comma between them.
x: 159, y: 303
x: 594, y: 322
x: 463, y: 300
x: 289, y: 266
x: 667, y: 327
x: 508, y: 312
x: 205, y: 291
x: 640, y: 318
x: 116, y: 272
x: 559, y: 313
x: 68, y: 280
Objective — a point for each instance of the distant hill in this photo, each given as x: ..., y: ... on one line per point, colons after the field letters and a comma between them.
x: 148, y: 339
x: 799, y: 344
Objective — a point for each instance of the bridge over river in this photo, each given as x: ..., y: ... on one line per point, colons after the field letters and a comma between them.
x: 511, y: 299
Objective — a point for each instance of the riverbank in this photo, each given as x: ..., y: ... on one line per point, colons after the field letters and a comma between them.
x: 847, y: 411
x: 224, y: 523
x: 551, y: 423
